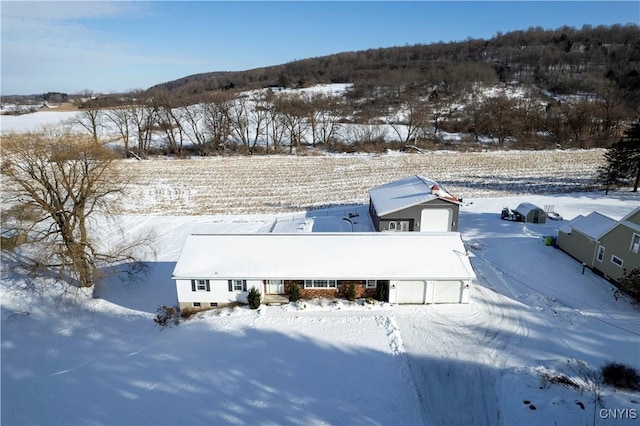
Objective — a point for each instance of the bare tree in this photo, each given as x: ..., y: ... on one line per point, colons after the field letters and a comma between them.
x: 324, y: 117
x: 192, y: 119
x: 293, y: 112
x: 258, y: 119
x: 275, y: 128
x: 500, y: 110
x: 168, y: 120
x: 368, y: 133
x: 63, y: 181
x: 120, y: 116
x: 90, y: 116
x: 577, y: 117
x: 478, y: 120
x: 217, y: 120
x: 408, y: 117
x: 142, y: 113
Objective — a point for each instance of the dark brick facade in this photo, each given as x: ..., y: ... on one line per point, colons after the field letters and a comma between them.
x: 340, y: 291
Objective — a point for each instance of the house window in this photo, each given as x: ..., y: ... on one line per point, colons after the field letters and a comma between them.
x: 319, y: 283
x: 200, y: 285
x: 399, y: 225
x: 196, y: 304
x: 237, y: 285
x: 600, y: 256
x: 635, y: 243
x: 371, y: 284
x: 213, y: 304
x: 615, y: 259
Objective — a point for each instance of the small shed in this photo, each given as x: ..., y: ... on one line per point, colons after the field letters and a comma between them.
x: 527, y: 212
x: 414, y: 204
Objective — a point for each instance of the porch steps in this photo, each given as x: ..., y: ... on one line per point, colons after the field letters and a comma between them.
x: 275, y: 299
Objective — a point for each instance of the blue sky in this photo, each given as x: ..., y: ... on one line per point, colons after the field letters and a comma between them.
x: 120, y: 45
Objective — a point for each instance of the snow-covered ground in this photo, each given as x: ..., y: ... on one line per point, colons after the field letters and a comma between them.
x: 533, y: 314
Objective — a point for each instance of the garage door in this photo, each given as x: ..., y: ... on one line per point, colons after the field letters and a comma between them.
x: 411, y: 292
x: 447, y: 291
x: 435, y: 220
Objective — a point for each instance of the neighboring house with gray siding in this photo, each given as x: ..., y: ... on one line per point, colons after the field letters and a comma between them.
x: 607, y: 246
x: 413, y: 204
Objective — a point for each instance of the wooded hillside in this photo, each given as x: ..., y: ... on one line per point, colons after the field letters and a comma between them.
x: 565, y: 60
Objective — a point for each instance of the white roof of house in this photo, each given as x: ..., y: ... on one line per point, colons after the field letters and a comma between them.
x: 372, y: 255
x: 592, y: 225
x: 407, y: 192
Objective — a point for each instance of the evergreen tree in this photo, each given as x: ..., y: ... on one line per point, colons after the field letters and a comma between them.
x: 623, y: 159
x: 294, y: 296
x: 254, y: 298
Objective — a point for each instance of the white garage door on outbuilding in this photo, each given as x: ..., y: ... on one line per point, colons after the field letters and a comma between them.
x: 434, y: 220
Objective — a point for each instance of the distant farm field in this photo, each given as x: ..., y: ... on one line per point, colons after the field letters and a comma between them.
x: 273, y: 184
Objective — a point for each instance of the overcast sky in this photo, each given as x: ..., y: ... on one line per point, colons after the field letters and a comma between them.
x: 118, y: 46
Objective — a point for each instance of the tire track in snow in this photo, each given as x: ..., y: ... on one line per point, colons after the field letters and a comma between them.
x: 457, y: 354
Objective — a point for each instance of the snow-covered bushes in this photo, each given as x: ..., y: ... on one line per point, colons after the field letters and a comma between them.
x: 167, y: 315
x: 630, y: 283
x: 620, y: 376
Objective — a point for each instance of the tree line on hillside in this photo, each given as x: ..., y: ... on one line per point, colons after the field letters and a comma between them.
x: 565, y: 60
x: 578, y: 88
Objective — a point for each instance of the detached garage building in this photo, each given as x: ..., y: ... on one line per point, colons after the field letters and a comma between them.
x: 214, y: 270
x: 413, y: 204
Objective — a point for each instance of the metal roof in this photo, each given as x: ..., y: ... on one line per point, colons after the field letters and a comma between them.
x: 407, y: 192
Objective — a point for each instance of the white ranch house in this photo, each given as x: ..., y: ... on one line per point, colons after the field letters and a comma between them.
x: 218, y: 269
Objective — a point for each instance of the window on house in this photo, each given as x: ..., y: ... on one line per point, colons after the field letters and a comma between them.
x: 196, y: 304
x: 319, y: 283
x: 600, y: 256
x: 200, y: 285
x: 392, y: 226
x: 237, y: 285
x: 213, y: 304
x: 615, y: 259
x: 371, y: 284
x: 635, y: 243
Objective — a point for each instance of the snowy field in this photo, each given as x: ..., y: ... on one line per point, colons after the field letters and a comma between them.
x: 534, y: 314
x: 283, y: 183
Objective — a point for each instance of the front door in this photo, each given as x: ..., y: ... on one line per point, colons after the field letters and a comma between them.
x: 275, y: 287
